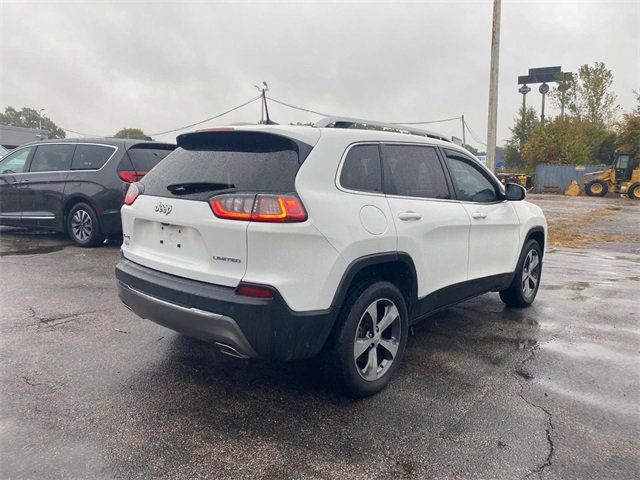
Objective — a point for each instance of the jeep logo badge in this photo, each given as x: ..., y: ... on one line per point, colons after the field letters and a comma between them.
x: 162, y: 208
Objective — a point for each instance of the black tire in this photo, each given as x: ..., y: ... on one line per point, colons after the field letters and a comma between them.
x: 634, y: 191
x: 596, y: 188
x: 353, y: 327
x: 83, y: 226
x: 520, y: 293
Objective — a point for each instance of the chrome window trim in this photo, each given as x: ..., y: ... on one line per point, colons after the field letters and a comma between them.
x: 341, y: 165
x: 11, y: 152
x: 382, y: 194
x: 492, y: 176
x: 115, y: 150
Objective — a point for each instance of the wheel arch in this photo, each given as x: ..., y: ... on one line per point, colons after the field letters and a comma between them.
x: 74, y: 200
x: 537, y: 234
x: 395, y: 267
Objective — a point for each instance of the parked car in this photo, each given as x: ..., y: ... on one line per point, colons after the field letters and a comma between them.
x: 288, y: 241
x: 74, y: 185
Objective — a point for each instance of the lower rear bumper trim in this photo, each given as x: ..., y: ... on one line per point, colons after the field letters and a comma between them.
x: 208, y: 326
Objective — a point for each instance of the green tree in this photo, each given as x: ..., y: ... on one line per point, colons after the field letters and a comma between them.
x: 569, y: 140
x: 588, y: 94
x: 521, y: 131
x: 628, y: 138
x: 30, y: 118
x: 133, y: 133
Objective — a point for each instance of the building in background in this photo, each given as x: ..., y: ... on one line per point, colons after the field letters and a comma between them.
x: 11, y: 137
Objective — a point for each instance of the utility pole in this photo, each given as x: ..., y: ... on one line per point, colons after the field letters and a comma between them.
x: 464, y: 138
x: 493, y: 88
x: 263, y: 108
x: 40, y: 118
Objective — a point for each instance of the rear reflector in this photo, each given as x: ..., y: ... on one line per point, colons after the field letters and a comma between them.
x: 254, y: 291
x: 132, y: 193
x: 259, y: 207
x: 131, y: 176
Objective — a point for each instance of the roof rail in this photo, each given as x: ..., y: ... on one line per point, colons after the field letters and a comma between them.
x: 359, y: 123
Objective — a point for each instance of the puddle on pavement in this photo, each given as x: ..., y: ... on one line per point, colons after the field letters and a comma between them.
x: 31, y: 242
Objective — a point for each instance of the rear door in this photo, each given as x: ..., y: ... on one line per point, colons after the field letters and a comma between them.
x: 432, y: 227
x: 42, y: 189
x: 171, y: 227
x: 494, y: 242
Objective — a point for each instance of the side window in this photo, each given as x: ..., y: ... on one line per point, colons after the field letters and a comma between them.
x: 90, y: 157
x: 361, y: 169
x: 15, y: 162
x: 413, y: 171
x: 52, y: 158
x: 471, y: 184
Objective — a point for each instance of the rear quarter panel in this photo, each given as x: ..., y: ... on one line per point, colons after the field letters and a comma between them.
x: 336, y: 217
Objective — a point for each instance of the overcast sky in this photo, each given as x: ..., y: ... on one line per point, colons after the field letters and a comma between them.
x: 96, y: 67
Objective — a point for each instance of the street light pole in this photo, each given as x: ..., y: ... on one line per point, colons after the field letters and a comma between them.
x: 544, y: 89
x: 493, y: 88
x: 40, y: 118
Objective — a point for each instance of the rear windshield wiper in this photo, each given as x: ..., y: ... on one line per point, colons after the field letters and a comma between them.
x: 195, y: 187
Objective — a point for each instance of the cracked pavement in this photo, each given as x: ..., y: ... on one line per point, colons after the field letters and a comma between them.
x: 88, y: 390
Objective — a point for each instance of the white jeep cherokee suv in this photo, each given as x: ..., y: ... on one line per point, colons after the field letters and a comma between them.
x: 287, y: 241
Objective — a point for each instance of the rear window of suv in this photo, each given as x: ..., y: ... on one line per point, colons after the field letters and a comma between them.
x: 226, y: 161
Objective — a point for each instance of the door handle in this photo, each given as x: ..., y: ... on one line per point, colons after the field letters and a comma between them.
x: 479, y: 215
x: 407, y: 216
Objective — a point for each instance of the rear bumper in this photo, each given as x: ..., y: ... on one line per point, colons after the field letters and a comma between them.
x: 251, y: 327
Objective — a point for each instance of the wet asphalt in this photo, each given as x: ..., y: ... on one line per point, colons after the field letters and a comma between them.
x: 88, y: 390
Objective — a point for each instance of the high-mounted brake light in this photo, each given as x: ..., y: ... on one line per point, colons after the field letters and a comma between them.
x: 131, y: 176
x: 132, y: 193
x: 216, y: 129
x: 259, y: 207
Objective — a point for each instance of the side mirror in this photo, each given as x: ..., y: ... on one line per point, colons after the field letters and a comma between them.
x: 514, y: 192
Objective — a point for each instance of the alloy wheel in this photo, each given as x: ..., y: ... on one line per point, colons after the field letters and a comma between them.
x: 81, y: 225
x: 377, y: 339
x: 530, y: 274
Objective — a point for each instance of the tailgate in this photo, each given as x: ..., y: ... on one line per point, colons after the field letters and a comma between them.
x: 183, y: 237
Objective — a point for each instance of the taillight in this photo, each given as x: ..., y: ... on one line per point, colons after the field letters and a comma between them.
x: 132, y: 193
x: 256, y: 291
x: 131, y: 176
x: 259, y: 208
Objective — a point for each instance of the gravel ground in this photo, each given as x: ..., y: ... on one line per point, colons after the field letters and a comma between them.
x: 609, y: 223
x: 88, y: 390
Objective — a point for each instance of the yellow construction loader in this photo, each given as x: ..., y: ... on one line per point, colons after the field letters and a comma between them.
x: 623, y: 177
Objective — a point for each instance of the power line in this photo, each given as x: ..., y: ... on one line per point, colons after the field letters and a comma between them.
x: 473, y: 135
x: 175, y: 129
x: 80, y: 133
x: 208, y: 119
x: 329, y: 115
x: 298, y: 108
